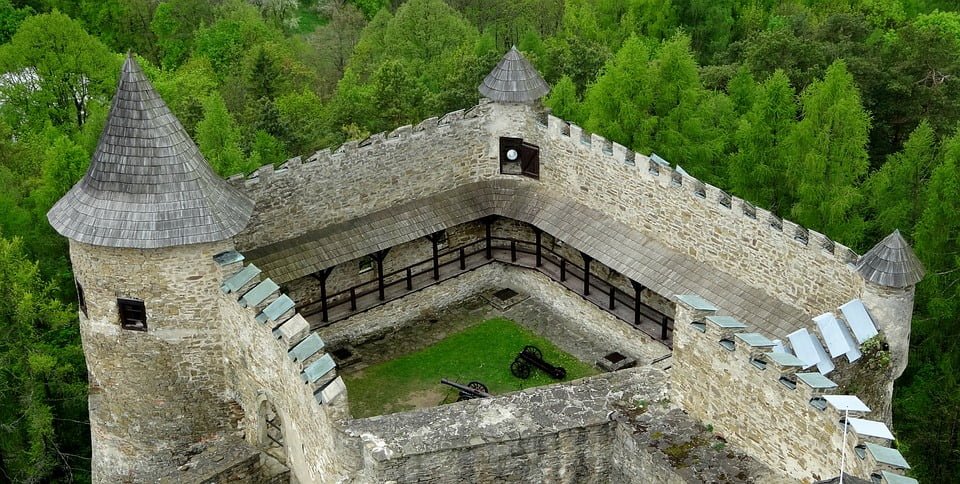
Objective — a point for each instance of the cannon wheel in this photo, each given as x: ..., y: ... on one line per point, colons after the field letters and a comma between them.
x: 461, y: 397
x: 478, y: 386
x: 533, y: 351
x: 520, y: 369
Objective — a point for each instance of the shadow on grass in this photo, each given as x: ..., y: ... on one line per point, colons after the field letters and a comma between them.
x: 482, y: 353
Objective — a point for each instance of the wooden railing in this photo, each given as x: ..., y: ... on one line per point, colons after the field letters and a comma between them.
x: 452, y: 262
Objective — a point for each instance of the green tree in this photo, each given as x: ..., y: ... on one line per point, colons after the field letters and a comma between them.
x: 757, y: 169
x: 60, y: 68
x: 42, y: 376
x: 174, y: 24
x: 563, y: 101
x: 828, y: 157
x: 618, y: 104
x: 894, y: 192
x: 218, y: 138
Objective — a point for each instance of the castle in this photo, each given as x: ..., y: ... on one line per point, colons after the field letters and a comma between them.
x: 211, y: 309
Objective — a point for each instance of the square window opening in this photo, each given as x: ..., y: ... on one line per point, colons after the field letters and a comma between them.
x: 133, y: 314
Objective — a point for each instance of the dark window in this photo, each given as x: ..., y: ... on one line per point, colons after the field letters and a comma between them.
x: 365, y: 264
x: 133, y: 314
x: 80, y: 299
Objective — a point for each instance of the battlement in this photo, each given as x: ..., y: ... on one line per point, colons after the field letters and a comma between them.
x: 761, y: 398
x: 737, y: 209
x: 279, y: 372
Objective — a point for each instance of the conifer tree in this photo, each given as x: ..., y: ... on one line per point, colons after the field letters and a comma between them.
x: 563, y: 101
x: 894, y: 191
x: 218, y: 138
x: 618, y: 104
x: 828, y: 157
x: 757, y: 168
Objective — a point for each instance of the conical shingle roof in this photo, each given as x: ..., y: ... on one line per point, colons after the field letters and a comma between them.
x: 148, y: 186
x: 514, y: 80
x: 891, y: 263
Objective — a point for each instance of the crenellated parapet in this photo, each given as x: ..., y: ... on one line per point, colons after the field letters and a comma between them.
x: 772, y: 403
x: 280, y: 373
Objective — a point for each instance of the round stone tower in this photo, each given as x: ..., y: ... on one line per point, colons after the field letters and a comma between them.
x: 891, y: 271
x: 515, y: 87
x: 144, y: 224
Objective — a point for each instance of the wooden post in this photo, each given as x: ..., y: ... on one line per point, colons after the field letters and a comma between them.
x: 463, y: 259
x: 537, y: 232
x: 353, y: 299
x: 435, y: 240
x: 638, y: 290
x: 321, y: 276
x: 513, y: 251
x: 379, y: 257
x: 409, y: 279
x: 586, y: 272
x: 663, y: 328
x: 613, y: 297
x: 563, y: 270
x: 488, y: 226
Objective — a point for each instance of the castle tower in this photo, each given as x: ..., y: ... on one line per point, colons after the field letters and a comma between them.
x: 144, y: 224
x: 515, y: 87
x: 891, y: 271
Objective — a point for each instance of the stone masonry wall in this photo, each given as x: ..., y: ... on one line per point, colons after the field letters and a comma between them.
x: 799, y: 267
x: 258, y: 369
x: 751, y: 408
x: 177, y: 361
x: 559, y: 433
x: 359, y: 178
x: 690, y: 218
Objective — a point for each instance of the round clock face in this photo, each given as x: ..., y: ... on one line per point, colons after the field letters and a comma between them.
x: 512, y: 155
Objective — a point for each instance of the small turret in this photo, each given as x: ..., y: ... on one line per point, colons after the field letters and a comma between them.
x: 891, y: 271
x: 144, y: 224
x: 514, y: 80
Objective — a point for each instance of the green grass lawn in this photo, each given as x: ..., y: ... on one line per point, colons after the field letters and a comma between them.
x: 482, y: 352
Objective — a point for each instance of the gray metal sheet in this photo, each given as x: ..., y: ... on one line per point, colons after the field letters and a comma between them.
x: 816, y: 380
x: 306, y: 348
x: 830, y: 330
x: 854, y: 354
x: 697, y: 302
x: 259, y: 293
x: 755, y: 340
x: 784, y: 359
x: 859, y: 320
x: 238, y: 280
x: 802, y: 344
x: 893, y: 478
x: 726, y: 322
x: 870, y: 428
x: 886, y: 455
x: 847, y: 402
x: 318, y: 369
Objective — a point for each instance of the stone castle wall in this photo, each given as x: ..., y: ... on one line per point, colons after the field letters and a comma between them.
x: 359, y: 178
x: 753, y: 410
x: 258, y: 370
x: 797, y: 266
x: 177, y: 362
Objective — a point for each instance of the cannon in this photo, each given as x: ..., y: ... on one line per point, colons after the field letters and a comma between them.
x: 469, y: 391
x: 531, y: 358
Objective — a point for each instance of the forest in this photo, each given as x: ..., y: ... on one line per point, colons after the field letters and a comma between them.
x: 841, y: 115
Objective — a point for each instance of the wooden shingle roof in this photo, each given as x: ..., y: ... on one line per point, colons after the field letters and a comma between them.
x: 148, y: 186
x: 514, y: 80
x: 891, y: 263
x: 618, y: 246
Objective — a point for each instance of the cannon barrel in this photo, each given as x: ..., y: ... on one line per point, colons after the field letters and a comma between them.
x: 465, y: 389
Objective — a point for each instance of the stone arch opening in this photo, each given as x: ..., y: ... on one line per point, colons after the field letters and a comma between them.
x: 271, y: 432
